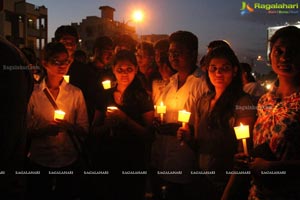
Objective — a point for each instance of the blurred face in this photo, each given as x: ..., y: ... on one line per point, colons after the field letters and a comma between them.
x: 58, y: 65
x: 105, y: 56
x: 285, y: 57
x: 161, y: 59
x: 125, y: 72
x: 144, y: 60
x: 70, y: 43
x: 180, y: 57
x: 221, y: 72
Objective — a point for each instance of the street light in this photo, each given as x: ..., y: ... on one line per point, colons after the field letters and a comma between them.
x: 138, y: 16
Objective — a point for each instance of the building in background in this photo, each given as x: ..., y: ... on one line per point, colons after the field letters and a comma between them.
x: 154, y: 37
x: 93, y: 26
x: 24, y: 24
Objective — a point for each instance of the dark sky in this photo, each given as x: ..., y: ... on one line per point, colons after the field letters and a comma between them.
x: 208, y: 19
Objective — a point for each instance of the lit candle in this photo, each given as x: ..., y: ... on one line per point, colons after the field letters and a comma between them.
x: 111, y: 108
x: 161, y: 109
x: 106, y: 84
x: 59, y: 114
x: 67, y: 78
x: 184, y: 117
x: 242, y: 132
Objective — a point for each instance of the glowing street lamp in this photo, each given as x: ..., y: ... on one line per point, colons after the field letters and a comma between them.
x: 138, y: 16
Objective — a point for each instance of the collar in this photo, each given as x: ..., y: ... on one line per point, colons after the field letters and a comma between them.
x: 43, y: 84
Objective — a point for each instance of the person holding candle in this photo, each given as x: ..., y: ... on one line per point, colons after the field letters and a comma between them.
x: 276, y: 132
x: 217, y: 113
x: 181, y: 92
x: 51, y: 147
x: 124, y: 133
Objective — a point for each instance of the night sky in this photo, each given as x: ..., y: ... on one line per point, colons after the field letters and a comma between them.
x: 208, y: 19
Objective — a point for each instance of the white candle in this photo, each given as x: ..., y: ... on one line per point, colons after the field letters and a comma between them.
x: 106, y: 84
x: 59, y: 114
x: 67, y: 78
x: 184, y: 117
x: 161, y: 109
x: 242, y: 132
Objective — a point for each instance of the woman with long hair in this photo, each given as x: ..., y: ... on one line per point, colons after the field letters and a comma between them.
x: 217, y: 113
x: 124, y: 132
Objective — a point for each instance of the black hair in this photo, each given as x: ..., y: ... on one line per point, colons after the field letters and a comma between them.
x: 126, y: 40
x: 126, y: 55
x: 162, y: 44
x: 102, y: 43
x: 188, y: 39
x: 134, y: 91
x: 245, y: 67
x: 225, y: 105
x: 285, y: 32
x: 66, y: 30
x: 146, y: 46
x: 52, y: 49
x: 218, y: 43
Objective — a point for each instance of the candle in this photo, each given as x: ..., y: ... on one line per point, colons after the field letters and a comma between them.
x: 242, y: 132
x: 111, y: 108
x: 161, y: 109
x: 184, y: 117
x: 67, y: 78
x: 59, y: 114
x: 106, y: 84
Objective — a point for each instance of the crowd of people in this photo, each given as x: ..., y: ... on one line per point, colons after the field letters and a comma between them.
x: 127, y: 141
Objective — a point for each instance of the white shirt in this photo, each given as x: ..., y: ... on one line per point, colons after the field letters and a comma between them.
x: 167, y: 151
x: 55, y: 151
x: 183, y: 98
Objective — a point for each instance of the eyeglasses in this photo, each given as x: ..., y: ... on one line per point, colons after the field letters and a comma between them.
x: 124, y: 71
x: 59, y: 63
x: 223, y: 69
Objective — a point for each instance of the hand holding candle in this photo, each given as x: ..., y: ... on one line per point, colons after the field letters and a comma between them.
x: 184, y: 117
x: 106, y: 84
x: 59, y: 114
x: 242, y: 132
x: 161, y: 109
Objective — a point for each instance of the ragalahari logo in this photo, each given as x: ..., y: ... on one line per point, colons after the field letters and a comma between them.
x: 246, y: 8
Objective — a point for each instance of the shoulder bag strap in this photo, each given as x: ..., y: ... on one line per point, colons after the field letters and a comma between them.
x: 48, y: 95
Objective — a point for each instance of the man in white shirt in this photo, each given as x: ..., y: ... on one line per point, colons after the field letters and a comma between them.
x: 182, y: 92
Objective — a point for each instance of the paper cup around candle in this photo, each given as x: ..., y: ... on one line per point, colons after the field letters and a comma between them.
x: 106, y: 84
x: 161, y: 109
x: 59, y: 114
x: 184, y: 116
x: 67, y: 78
x: 242, y: 131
